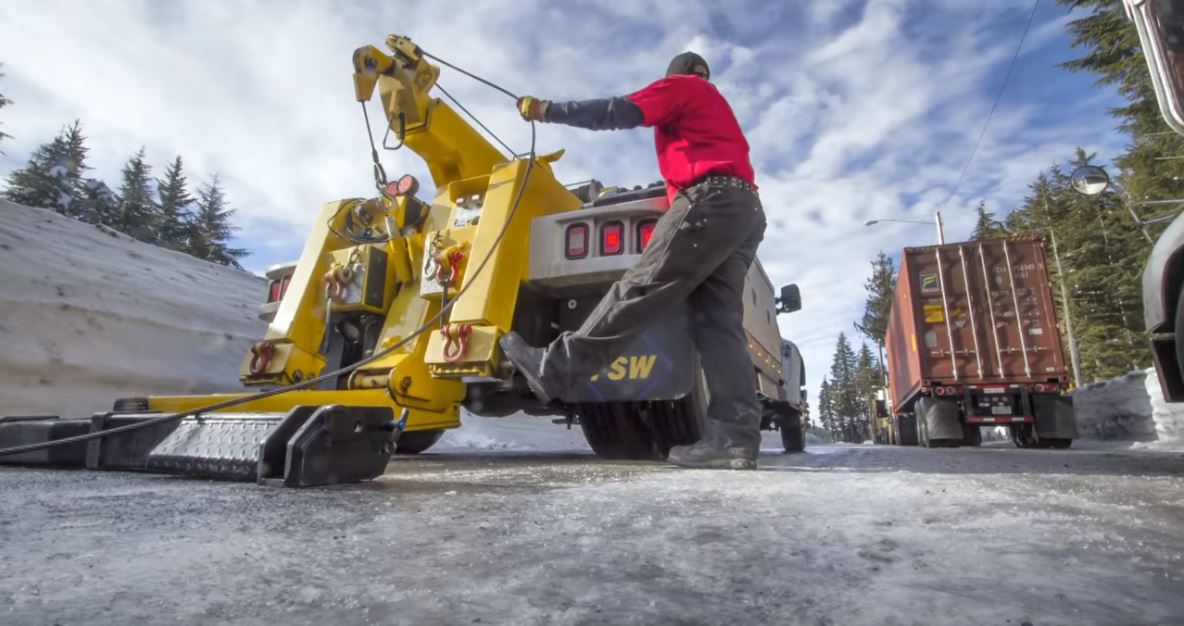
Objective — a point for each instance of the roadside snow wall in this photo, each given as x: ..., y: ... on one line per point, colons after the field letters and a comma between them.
x: 1129, y: 408
x: 88, y: 315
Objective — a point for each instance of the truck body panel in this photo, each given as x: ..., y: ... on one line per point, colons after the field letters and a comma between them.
x: 974, y: 313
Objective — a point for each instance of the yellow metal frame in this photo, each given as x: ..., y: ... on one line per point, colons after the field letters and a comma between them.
x: 462, y: 163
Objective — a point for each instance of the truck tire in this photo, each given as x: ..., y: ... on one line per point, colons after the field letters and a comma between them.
x: 793, y: 436
x: 614, y: 431
x: 417, y: 441
x: 1023, y: 436
x: 972, y: 435
x: 1060, y: 444
x: 641, y: 431
x: 906, y: 430
x: 1178, y: 337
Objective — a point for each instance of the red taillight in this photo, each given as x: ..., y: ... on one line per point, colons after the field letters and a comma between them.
x: 1041, y: 388
x: 941, y: 391
x: 611, y: 238
x: 645, y: 230
x: 284, y: 285
x: 951, y: 391
x: 273, y: 292
x: 576, y: 241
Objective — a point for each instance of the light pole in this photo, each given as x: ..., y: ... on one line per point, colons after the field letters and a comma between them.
x: 941, y: 233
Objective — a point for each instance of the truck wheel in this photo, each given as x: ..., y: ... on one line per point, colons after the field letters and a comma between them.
x: 1178, y: 338
x: 1061, y: 444
x: 906, y: 431
x: 641, y: 431
x: 972, y: 435
x: 1023, y: 436
x: 417, y: 441
x: 615, y: 431
x: 793, y: 436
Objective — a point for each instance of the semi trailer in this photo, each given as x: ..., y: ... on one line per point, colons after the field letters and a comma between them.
x: 973, y: 340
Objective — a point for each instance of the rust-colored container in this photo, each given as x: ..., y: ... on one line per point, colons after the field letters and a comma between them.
x: 978, y: 312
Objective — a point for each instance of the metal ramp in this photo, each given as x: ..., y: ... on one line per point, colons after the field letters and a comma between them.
x: 308, y: 446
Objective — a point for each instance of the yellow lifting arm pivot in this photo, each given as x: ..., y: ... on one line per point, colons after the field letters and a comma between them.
x: 452, y: 149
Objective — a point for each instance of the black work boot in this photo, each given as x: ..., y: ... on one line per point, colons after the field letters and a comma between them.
x: 528, y: 360
x: 703, y: 455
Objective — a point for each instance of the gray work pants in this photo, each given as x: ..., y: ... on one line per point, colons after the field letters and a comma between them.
x: 699, y: 253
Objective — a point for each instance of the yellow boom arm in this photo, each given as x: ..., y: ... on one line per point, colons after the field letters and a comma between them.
x: 452, y: 148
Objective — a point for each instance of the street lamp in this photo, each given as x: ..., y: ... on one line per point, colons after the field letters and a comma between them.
x: 941, y: 234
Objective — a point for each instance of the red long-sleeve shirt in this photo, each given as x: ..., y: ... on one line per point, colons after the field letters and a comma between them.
x: 695, y: 132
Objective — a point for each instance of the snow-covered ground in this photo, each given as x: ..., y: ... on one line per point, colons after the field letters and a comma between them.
x: 88, y: 315
x: 850, y: 534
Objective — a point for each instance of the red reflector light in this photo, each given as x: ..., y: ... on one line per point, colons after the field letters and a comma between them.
x: 284, y: 285
x: 273, y: 292
x: 611, y: 238
x: 576, y: 241
x: 645, y: 231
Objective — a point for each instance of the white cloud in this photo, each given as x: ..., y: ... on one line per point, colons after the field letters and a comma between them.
x: 853, y: 110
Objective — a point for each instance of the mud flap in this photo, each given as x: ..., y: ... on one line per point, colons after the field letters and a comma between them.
x: 941, y: 419
x: 1055, y: 418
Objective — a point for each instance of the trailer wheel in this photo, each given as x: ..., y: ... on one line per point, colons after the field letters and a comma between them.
x: 972, y: 435
x: 1023, y: 436
x: 1061, y: 444
x: 417, y: 441
x: 906, y: 431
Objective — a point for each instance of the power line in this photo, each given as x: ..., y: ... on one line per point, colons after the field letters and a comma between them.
x: 998, y: 97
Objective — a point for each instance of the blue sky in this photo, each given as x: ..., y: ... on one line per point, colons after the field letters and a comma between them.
x: 855, y: 109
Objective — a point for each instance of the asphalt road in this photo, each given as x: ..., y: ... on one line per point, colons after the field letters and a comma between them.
x: 840, y: 535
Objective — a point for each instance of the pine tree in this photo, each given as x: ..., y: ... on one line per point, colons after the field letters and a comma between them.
x: 174, y: 201
x: 986, y: 226
x: 136, y: 213
x: 826, y: 409
x: 98, y: 203
x: 869, y: 379
x: 845, y: 390
x: 210, y: 230
x: 3, y: 103
x: 53, y: 177
x: 880, y: 287
x: 1113, y: 52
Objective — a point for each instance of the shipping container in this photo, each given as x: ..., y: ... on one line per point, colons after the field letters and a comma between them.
x: 973, y: 335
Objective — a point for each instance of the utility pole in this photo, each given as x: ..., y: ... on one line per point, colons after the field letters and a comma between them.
x: 1074, y: 352
x: 941, y: 232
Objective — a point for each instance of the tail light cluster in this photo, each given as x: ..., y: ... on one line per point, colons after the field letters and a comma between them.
x: 610, y: 238
x: 1045, y: 388
x: 945, y: 391
x: 278, y: 288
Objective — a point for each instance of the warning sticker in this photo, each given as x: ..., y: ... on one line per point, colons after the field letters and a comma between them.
x: 934, y: 314
x: 929, y: 284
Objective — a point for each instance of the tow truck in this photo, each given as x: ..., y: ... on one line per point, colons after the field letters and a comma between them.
x: 388, y: 323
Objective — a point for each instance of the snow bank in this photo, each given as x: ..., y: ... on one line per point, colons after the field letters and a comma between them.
x: 1129, y: 408
x: 1117, y: 409
x: 88, y: 315
x: 1168, y: 418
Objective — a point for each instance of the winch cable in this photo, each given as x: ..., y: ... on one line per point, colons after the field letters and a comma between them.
x: 430, y: 324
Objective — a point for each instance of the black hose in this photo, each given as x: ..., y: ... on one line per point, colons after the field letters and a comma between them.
x: 430, y: 324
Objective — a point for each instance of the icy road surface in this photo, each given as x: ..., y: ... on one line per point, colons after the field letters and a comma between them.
x: 840, y: 535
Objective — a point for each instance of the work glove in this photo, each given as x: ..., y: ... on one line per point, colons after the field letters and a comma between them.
x: 532, y: 109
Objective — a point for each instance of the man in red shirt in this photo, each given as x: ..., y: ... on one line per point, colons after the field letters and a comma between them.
x: 699, y: 253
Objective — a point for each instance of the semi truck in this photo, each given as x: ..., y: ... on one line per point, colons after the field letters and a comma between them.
x: 973, y: 340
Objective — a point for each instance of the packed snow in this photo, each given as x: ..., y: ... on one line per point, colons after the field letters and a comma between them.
x: 91, y: 315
